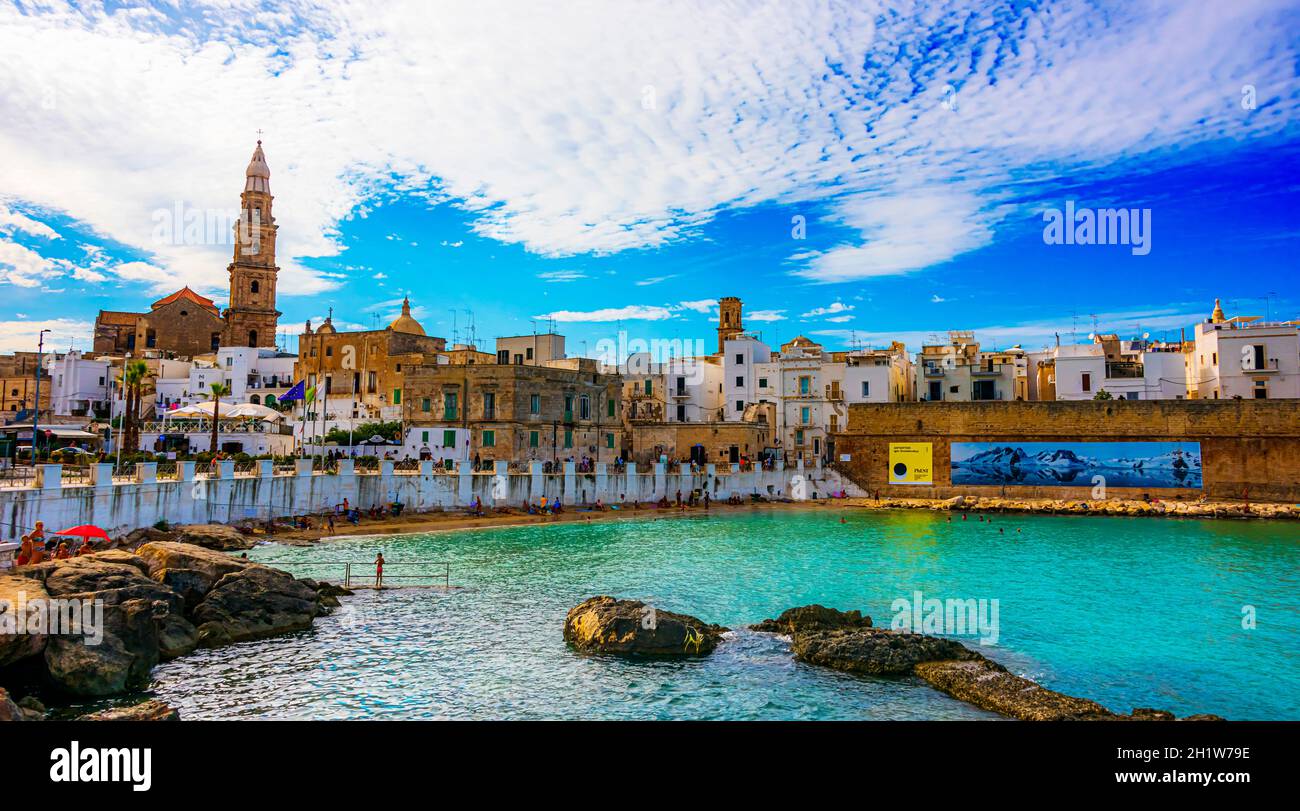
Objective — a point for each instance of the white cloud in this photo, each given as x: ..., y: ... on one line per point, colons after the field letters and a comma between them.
x: 632, y: 312
x: 840, y: 319
x: 832, y: 309
x: 765, y: 315
x: 22, y: 336
x: 937, y: 299
x: 599, y: 128
x: 555, y: 276
x: 654, y: 280
x: 11, y: 221
x: 23, y: 267
x: 701, y: 306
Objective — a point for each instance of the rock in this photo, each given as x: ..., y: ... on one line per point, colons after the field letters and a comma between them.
x: 20, y: 593
x: 1203, y: 717
x: 9, y: 711
x: 213, y: 536
x: 607, y: 625
x: 142, y: 622
x: 990, y: 686
x: 123, y: 557
x: 152, y: 710
x: 1148, y: 714
x: 191, y: 584
x: 32, y: 706
x: 253, y: 603
x: 330, y: 590
x: 955, y: 502
x: 120, y: 661
x: 874, y: 651
x: 812, y: 618
x: 171, y: 555
x: 145, y: 535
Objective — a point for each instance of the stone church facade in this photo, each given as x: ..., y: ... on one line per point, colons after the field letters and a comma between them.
x: 185, y: 323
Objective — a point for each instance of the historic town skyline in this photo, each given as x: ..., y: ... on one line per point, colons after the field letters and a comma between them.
x: 842, y: 202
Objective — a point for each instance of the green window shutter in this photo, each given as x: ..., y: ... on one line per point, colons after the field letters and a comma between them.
x: 609, y: 440
x: 449, y: 439
x: 568, y: 439
x: 611, y: 408
x: 489, y: 439
x: 397, y: 396
x: 532, y: 439
x: 426, y: 405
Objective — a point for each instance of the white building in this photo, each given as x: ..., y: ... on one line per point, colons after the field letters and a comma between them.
x: 879, y: 375
x: 253, y: 375
x: 80, y: 386
x: 958, y: 371
x: 676, y: 390
x: 1245, y: 357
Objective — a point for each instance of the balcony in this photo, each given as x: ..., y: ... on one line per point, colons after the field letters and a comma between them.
x: 988, y: 369
x: 1270, y: 367
x: 1121, y: 370
x: 933, y: 370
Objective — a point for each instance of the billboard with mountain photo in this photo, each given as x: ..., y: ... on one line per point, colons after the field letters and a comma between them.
x: 1075, y: 464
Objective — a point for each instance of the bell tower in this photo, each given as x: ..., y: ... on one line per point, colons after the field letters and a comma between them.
x: 729, y: 323
x: 251, y: 317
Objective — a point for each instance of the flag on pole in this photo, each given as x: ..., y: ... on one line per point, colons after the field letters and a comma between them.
x: 311, y: 395
x: 295, y: 393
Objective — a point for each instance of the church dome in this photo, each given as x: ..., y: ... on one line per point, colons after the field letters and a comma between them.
x: 326, y: 327
x: 404, y: 322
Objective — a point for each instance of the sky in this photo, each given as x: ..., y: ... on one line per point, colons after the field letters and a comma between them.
x: 855, y: 172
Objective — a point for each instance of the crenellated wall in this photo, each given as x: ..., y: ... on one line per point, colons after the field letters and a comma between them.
x: 224, y: 497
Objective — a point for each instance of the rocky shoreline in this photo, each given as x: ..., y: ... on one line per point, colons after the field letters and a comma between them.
x: 846, y: 641
x: 161, y: 601
x: 1117, y: 507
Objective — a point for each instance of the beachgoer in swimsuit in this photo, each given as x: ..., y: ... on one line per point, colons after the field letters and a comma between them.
x: 379, y: 570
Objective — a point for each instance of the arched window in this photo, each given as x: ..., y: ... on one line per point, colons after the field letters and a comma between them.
x: 252, y: 337
x: 255, y: 400
x: 254, y: 286
x: 270, y: 401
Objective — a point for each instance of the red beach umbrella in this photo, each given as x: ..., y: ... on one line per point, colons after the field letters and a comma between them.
x: 85, y: 531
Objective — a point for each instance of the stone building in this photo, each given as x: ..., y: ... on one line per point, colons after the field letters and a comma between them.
x: 564, y: 409
x: 185, y: 323
x: 18, y: 385
x: 360, y: 376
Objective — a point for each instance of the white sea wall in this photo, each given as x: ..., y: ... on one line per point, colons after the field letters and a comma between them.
x: 222, y: 496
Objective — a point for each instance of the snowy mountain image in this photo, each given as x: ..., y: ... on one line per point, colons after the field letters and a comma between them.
x: 1124, y: 464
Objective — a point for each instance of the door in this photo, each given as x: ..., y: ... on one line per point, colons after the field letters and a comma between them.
x: 733, y: 455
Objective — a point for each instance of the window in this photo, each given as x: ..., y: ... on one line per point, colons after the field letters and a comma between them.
x: 489, y: 405
x: 866, y: 388
x: 740, y: 405
x: 397, y: 395
x: 649, y: 387
x: 216, y: 342
x: 426, y: 404
x: 528, y: 353
x: 449, y: 439
x: 503, y: 356
x: 762, y: 382
x: 535, y: 405
x: 519, y: 359
x: 252, y: 337
x: 568, y: 438
x: 254, y: 287
x: 329, y: 351
x: 424, y: 437
x: 805, y: 384
x: 533, y: 437
x: 835, y: 424
x: 372, y: 382
x: 1214, y: 358
x: 489, y: 439
x: 568, y: 408
x: 584, y: 407
x: 1252, y: 357
x: 1261, y: 390
x: 609, y: 408
x: 798, y: 438
x: 740, y: 381
x: 1085, y: 381
x: 681, y: 413
x: 609, y: 440
x: 356, y: 383
x: 740, y: 359
x: 449, y: 405
x: 805, y: 414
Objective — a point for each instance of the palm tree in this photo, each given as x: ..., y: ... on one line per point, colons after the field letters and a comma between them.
x: 219, y: 390
x: 133, y: 375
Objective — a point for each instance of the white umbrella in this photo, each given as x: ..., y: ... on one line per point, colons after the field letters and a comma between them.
x: 252, y: 411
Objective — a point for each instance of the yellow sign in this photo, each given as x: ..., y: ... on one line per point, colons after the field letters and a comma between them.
x: 911, y: 463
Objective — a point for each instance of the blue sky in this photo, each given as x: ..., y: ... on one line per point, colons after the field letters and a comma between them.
x: 623, y: 167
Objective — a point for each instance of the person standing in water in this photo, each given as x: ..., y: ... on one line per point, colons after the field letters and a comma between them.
x: 379, y: 570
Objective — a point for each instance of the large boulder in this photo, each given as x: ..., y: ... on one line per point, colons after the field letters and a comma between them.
x: 9, y: 711
x: 142, y: 622
x: 212, y: 565
x: 152, y: 710
x: 213, y: 536
x: 874, y: 651
x: 28, y: 595
x: 608, y: 625
x: 812, y: 618
x: 253, y: 603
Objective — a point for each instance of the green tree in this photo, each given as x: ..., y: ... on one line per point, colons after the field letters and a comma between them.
x: 1102, y: 395
x: 134, y: 373
x: 218, y: 390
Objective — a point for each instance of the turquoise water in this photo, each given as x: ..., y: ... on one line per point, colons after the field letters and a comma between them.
x: 1128, y: 612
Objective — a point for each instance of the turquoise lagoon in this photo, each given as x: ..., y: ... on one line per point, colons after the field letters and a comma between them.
x: 1128, y: 612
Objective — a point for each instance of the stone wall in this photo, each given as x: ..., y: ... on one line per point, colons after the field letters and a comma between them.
x: 1247, y: 446
x: 225, y: 497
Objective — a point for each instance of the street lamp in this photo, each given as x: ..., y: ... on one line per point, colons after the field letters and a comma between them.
x: 36, y: 412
